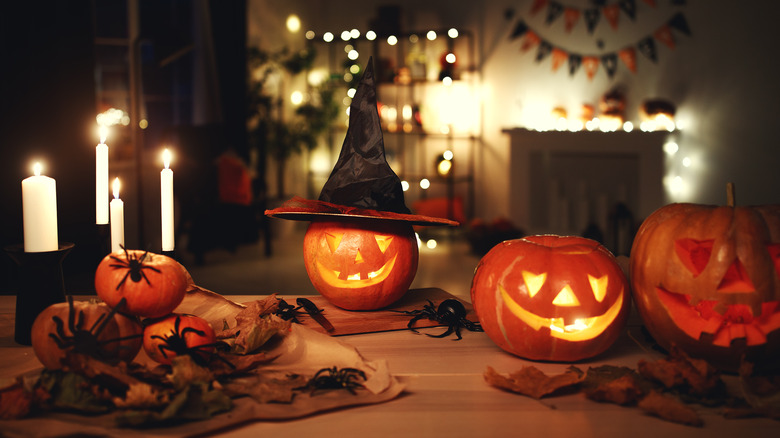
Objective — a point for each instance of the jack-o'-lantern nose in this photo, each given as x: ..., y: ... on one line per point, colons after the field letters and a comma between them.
x: 736, y: 279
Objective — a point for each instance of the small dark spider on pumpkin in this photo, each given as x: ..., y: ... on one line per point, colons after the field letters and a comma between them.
x: 135, y: 267
x: 175, y: 342
x: 450, y: 312
x: 344, y: 378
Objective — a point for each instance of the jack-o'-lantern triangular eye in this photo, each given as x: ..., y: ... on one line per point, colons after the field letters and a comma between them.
x: 333, y: 240
x: 694, y: 254
x: 566, y: 298
x: 383, y: 242
x: 736, y: 279
x: 599, y: 286
x: 533, y: 282
x: 774, y: 252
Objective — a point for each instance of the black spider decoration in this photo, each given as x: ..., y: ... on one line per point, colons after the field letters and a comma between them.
x: 176, y: 343
x: 135, y: 267
x: 287, y: 311
x: 450, y: 312
x: 85, y: 341
x: 334, y: 378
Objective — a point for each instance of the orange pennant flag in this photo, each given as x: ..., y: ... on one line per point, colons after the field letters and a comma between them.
x: 612, y: 13
x: 558, y: 57
x: 590, y: 64
x: 628, y: 55
x: 531, y: 40
x: 664, y: 35
x: 538, y: 6
x: 570, y: 17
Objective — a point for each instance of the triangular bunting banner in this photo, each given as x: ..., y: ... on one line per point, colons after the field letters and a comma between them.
x: 664, y: 35
x: 628, y: 56
x: 629, y: 7
x: 591, y: 65
x: 610, y: 64
x: 570, y: 18
x: 612, y: 14
x: 553, y: 12
x: 592, y: 17
x: 574, y: 63
x: 647, y: 47
x: 680, y: 23
x: 558, y: 56
x: 538, y: 6
x: 531, y: 39
x: 520, y: 29
x: 543, y: 51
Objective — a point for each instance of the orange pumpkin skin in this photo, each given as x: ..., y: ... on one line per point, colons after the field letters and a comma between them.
x: 154, y: 292
x: 361, y: 265
x: 167, y: 333
x: 555, y: 298
x: 49, y: 353
x: 705, y: 279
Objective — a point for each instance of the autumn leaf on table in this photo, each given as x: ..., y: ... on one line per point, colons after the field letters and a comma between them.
x: 761, y: 392
x: 613, y: 384
x: 15, y: 401
x: 533, y: 382
x: 198, y: 401
x: 670, y: 409
x: 255, y: 325
x: 266, y: 387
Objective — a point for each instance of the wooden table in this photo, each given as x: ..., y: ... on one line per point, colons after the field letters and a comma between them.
x: 447, y: 396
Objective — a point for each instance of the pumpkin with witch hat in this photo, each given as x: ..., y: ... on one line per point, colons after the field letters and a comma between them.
x: 360, y: 250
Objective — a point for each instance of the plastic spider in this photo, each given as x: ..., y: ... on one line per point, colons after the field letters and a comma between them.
x: 81, y: 340
x: 334, y: 378
x: 287, y: 311
x: 450, y: 312
x: 176, y: 343
x: 135, y: 267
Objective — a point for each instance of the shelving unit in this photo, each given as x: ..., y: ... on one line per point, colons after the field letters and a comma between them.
x: 422, y: 115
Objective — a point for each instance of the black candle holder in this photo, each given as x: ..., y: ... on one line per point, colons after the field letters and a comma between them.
x: 41, y: 284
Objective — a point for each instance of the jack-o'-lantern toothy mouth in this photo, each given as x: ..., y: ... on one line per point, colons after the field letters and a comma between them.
x: 357, y: 280
x: 581, y: 329
x: 724, y: 322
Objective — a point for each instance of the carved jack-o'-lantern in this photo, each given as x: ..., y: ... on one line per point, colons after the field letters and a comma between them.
x: 361, y: 265
x: 559, y: 298
x: 705, y: 279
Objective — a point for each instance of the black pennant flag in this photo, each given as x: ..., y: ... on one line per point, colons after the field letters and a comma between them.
x: 629, y: 7
x: 591, y: 18
x: 574, y: 63
x: 647, y: 47
x: 680, y: 23
x: 520, y: 29
x: 543, y: 51
x: 553, y: 12
x: 610, y: 64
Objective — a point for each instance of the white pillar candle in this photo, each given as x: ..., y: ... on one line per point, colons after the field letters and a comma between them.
x: 166, y: 199
x: 39, y: 209
x: 117, y: 220
x: 101, y: 179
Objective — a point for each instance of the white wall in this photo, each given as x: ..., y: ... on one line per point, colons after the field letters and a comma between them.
x: 723, y: 79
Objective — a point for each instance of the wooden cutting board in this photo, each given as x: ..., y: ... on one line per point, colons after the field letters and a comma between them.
x: 349, y: 322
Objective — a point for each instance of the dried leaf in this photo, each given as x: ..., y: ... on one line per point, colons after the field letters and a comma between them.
x: 15, y: 401
x: 670, y: 409
x: 255, y: 325
x: 679, y: 371
x: 532, y: 382
x: 612, y: 384
x: 761, y: 392
x: 196, y: 402
x: 184, y: 371
x: 142, y: 396
x: 266, y: 388
x: 73, y: 392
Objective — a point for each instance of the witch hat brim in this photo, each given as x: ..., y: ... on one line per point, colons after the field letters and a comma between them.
x: 362, y: 185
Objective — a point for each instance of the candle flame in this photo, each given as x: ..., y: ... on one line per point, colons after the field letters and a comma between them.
x: 103, y: 131
x: 37, y: 168
x: 116, y: 187
x: 166, y: 158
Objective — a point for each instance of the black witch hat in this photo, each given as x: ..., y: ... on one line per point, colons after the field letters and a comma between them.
x: 362, y: 185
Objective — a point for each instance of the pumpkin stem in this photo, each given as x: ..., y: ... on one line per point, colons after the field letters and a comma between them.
x: 731, y: 196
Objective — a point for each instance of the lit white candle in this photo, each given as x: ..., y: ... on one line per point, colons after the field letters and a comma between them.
x: 166, y: 197
x: 101, y: 179
x: 117, y: 220
x: 39, y: 209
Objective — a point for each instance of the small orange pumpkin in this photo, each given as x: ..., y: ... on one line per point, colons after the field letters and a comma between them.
x: 558, y: 298
x: 85, y: 327
x: 361, y: 265
x: 152, y: 284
